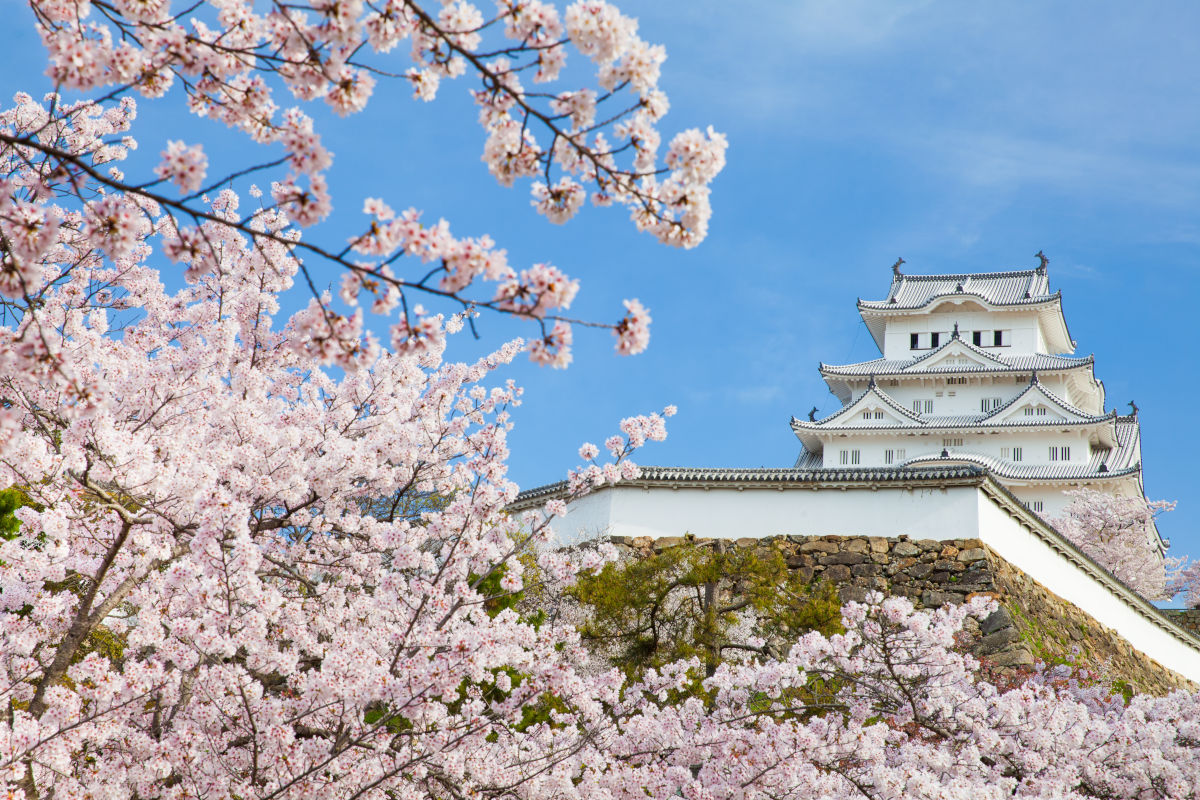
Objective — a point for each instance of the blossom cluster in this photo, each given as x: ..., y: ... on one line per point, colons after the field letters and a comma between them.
x: 252, y: 67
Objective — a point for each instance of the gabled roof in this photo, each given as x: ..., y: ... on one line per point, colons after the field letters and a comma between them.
x: 1015, y: 288
x: 1036, y: 390
x: 808, y: 431
x: 873, y: 392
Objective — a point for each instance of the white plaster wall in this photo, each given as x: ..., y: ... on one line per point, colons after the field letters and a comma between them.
x: 931, y: 513
x: 1035, y: 446
x: 1036, y: 558
x: 1025, y: 337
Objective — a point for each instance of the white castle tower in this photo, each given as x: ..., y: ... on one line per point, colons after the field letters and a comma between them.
x: 976, y: 369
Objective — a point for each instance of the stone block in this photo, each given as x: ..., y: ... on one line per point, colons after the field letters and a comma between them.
x: 948, y: 551
x: 995, y: 621
x: 856, y: 546
x: 931, y: 545
x: 804, y: 573
x: 973, y: 554
x: 843, y: 558
x: 878, y: 544
x: 798, y: 560
x: 1016, y: 657
x: 818, y: 547
x: 997, y: 641
x: 879, y: 558
x: 665, y: 542
x: 864, y: 570
x: 905, y: 549
x: 919, y: 571
x: 747, y: 541
x: 931, y: 599
x: 947, y: 565
x: 856, y: 594
x: 838, y: 573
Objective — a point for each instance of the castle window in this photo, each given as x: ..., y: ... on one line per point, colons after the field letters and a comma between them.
x: 1060, y: 453
x: 1041, y: 411
x: 914, y: 341
x: 989, y: 403
x: 977, y: 338
x: 891, y: 456
x: 866, y: 415
x: 850, y: 457
x: 933, y: 339
x: 1035, y: 505
x: 878, y: 415
x: 956, y: 381
x: 1005, y: 452
x: 1000, y: 339
x: 952, y: 442
x: 1016, y: 454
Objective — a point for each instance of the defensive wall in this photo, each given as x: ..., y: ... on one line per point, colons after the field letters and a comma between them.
x: 861, y: 529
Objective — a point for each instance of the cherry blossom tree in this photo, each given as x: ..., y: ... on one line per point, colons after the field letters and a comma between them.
x: 253, y: 555
x: 1117, y: 532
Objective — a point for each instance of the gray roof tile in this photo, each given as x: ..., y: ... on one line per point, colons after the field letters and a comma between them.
x: 1019, y: 287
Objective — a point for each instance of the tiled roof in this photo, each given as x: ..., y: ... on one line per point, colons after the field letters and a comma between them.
x: 777, y: 476
x: 1023, y: 471
x: 882, y: 367
x: 983, y: 418
x: 1115, y: 462
x: 1020, y: 287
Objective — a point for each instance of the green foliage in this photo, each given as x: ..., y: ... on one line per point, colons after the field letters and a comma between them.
x: 700, y: 601
x: 11, y: 499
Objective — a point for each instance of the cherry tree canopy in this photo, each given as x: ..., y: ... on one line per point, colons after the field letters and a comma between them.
x: 269, y: 557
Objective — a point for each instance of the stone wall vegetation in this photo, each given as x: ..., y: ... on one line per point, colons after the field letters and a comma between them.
x: 1031, y: 625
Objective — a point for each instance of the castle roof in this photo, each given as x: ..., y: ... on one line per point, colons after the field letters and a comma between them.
x: 1014, y: 288
x: 994, y: 418
x: 928, y: 363
x: 1120, y: 460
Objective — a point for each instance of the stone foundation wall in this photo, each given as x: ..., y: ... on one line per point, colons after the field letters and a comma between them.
x: 1032, y: 623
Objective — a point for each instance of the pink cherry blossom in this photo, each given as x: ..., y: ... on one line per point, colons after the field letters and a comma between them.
x: 183, y: 165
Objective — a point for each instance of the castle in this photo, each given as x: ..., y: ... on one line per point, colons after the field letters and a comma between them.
x: 977, y: 369
x: 965, y: 432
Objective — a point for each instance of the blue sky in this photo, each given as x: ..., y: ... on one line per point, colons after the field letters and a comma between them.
x: 963, y: 137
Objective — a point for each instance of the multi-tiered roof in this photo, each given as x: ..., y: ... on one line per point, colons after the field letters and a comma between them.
x: 976, y: 369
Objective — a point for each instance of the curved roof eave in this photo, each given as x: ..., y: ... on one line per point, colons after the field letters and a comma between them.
x: 1000, y: 469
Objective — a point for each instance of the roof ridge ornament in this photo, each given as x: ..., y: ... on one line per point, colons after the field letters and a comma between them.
x: 1042, y: 262
x: 1033, y: 378
x: 954, y: 335
x: 1134, y: 406
x: 896, y: 268
x: 871, y: 383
